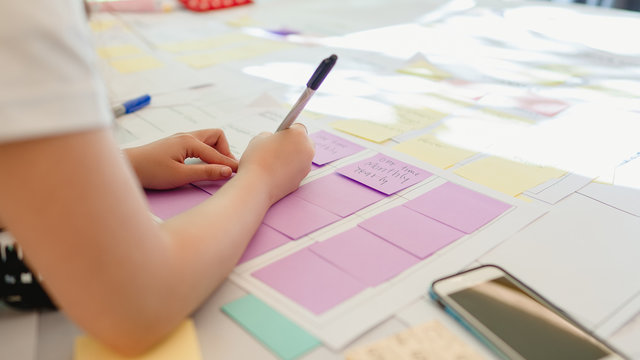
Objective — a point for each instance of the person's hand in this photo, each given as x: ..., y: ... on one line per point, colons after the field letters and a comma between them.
x: 160, y: 164
x: 282, y: 159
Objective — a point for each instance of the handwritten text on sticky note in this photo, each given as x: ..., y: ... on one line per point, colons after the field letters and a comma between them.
x: 384, y: 173
x: 331, y: 147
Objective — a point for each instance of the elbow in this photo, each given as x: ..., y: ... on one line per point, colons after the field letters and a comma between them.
x: 133, y: 340
x: 129, y: 335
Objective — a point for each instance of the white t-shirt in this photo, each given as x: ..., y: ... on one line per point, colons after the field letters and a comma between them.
x: 49, y: 82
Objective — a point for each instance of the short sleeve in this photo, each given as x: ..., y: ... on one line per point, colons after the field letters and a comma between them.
x: 49, y: 82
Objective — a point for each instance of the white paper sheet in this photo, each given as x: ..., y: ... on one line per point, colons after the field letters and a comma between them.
x: 582, y: 255
x: 620, y: 197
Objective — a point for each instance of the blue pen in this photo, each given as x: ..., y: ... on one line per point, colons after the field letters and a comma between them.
x: 131, y: 105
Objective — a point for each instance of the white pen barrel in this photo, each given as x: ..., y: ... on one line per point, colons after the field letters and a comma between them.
x: 296, y: 109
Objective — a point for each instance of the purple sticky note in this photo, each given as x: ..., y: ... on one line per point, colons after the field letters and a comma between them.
x: 338, y: 194
x: 365, y: 256
x: 412, y: 231
x: 384, y: 173
x: 310, y: 281
x: 330, y: 147
x: 283, y: 32
x: 210, y: 186
x: 296, y: 217
x: 458, y: 207
x: 264, y: 240
x: 167, y: 203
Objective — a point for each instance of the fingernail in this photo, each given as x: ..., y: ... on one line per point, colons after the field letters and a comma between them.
x: 226, y: 172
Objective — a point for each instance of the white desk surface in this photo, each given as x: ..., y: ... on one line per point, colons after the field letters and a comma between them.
x: 583, y: 252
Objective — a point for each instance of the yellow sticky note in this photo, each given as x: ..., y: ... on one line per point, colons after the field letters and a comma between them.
x: 209, y: 43
x: 604, y: 180
x: 430, y: 149
x: 621, y: 92
x: 181, y: 344
x: 101, y: 25
x: 507, y: 176
x: 503, y: 115
x: 242, y: 21
x: 430, y: 340
x: 571, y: 70
x: 135, y: 64
x: 401, y: 120
x: 368, y: 130
x: 524, y: 198
x: 413, y: 118
x: 543, y: 76
x: 203, y: 60
x: 425, y: 69
x: 109, y: 52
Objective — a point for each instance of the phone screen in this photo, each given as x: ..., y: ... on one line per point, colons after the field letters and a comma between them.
x: 530, y: 328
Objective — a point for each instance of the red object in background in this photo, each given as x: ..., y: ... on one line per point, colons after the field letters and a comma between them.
x: 206, y: 5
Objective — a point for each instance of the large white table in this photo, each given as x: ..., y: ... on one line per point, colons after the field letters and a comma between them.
x: 583, y: 252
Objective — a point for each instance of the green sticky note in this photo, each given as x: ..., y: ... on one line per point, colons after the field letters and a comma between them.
x: 275, y: 331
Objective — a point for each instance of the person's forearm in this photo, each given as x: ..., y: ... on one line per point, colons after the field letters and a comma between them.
x: 210, y: 238
x: 86, y: 229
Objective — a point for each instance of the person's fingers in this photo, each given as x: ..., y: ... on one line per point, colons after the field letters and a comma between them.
x: 216, y: 139
x: 210, y: 155
x: 200, y: 172
x: 300, y: 125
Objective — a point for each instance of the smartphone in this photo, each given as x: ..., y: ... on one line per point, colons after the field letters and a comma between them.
x: 513, y: 320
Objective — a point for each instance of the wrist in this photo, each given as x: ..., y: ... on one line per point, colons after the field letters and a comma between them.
x: 256, y: 184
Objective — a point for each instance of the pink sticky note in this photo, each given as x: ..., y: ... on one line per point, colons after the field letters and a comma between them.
x: 330, y: 147
x: 365, y: 256
x: 412, y: 231
x: 167, y: 203
x: 264, y: 240
x: 310, y: 281
x: 384, y: 173
x: 210, y: 186
x: 296, y: 217
x: 338, y: 194
x: 458, y: 207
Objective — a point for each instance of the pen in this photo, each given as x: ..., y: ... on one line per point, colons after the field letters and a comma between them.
x: 312, y: 85
x: 131, y: 105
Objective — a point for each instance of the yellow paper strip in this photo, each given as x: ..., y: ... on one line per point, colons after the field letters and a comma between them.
x: 242, y: 21
x: 509, y: 177
x: 430, y: 149
x: 403, y: 119
x: 524, y: 198
x: 131, y: 65
x: 425, y: 69
x: 412, y: 118
x: 101, y: 25
x: 203, y: 60
x: 210, y: 43
x: 368, y: 130
x: 504, y: 115
x: 118, y: 51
